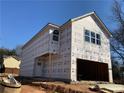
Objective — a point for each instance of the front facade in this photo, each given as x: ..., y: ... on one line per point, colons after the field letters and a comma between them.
x: 77, y: 50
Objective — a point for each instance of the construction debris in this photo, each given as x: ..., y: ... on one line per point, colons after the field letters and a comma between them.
x: 9, y: 85
x: 10, y: 82
x: 108, y: 88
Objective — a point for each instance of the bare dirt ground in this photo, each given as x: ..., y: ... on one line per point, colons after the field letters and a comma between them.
x: 31, y: 89
x: 39, y: 89
x: 80, y: 87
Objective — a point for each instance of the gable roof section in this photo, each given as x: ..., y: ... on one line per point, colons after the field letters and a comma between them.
x: 42, y: 30
x: 96, y: 18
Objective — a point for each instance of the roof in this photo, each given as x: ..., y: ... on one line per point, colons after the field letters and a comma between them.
x: 90, y: 14
x: 80, y: 17
x: 15, y: 57
x: 11, y: 62
x: 72, y: 20
x: 96, y: 17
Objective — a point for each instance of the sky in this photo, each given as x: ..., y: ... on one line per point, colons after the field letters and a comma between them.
x: 20, y: 20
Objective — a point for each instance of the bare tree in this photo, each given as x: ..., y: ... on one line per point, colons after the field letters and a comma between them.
x: 117, y: 42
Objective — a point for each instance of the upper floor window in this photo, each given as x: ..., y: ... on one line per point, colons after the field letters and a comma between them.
x: 55, y: 38
x: 92, y: 37
x: 98, y: 39
x: 87, y: 35
x: 55, y: 35
x: 56, y: 32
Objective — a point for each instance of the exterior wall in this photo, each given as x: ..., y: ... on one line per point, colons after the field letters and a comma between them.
x: 52, y: 65
x: 65, y: 52
x: 10, y: 62
x: 85, y: 50
x: 36, y: 48
x: 58, y: 59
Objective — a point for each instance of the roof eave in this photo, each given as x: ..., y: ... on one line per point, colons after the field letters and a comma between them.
x: 49, y: 24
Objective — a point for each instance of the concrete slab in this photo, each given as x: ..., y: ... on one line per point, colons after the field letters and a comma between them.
x: 112, y: 87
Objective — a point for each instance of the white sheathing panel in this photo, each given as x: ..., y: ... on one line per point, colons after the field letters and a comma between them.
x: 85, y: 50
x: 53, y: 65
x: 38, y: 47
x: 71, y: 45
x: 65, y: 53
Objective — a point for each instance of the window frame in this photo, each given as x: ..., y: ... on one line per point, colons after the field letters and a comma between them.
x: 98, y: 40
x: 94, y: 38
x: 55, y: 36
x: 56, y: 33
x: 87, y: 36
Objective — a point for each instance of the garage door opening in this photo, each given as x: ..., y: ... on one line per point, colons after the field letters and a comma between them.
x: 90, y: 70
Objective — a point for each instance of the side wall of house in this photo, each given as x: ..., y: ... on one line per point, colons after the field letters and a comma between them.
x: 29, y: 53
x: 89, y: 51
x: 56, y: 66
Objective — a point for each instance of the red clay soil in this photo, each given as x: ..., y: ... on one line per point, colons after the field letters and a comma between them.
x: 36, y: 89
x: 80, y: 87
x: 31, y: 89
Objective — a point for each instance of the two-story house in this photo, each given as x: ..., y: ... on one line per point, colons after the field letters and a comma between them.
x: 77, y: 50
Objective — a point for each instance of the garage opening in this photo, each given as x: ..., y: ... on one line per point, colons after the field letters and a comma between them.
x: 90, y: 70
